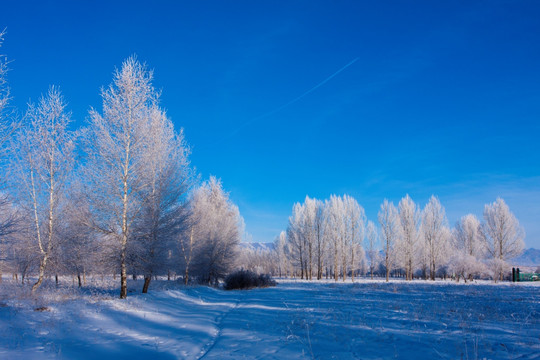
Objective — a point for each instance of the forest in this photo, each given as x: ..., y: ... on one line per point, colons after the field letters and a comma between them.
x: 119, y: 197
x: 333, y: 239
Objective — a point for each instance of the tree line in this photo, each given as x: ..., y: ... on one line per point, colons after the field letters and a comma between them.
x: 116, y: 196
x: 334, y: 239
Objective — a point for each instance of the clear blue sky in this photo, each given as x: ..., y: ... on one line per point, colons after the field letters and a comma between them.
x: 444, y: 97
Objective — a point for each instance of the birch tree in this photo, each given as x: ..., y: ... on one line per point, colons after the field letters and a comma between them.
x: 295, y: 237
x: 409, y: 217
x: 281, y: 250
x: 320, y: 238
x: 335, y: 232
x: 4, y: 91
x: 355, y: 220
x: 309, y: 233
x: 503, y: 235
x: 372, y: 238
x: 8, y: 217
x: 116, y: 148
x: 43, y: 154
x: 436, y: 234
x: 390, y: 232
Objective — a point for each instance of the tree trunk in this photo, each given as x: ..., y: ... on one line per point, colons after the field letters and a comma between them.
x: 42, y: 265
x: 387, y: 263
x: 79, y: 279
x: 352, y: 265
x: 310, y: 257
x: 335, y: 263
x: 123, y: 272
x: 147, y: 279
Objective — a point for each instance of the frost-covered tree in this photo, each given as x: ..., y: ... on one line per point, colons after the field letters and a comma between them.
x: 295, y: 238
x: 407, y: 246
x: 468, y: 248
x: 43, y: 154
x: 306, y: 237
x: 372, y: 239
x: 186, y: 239
x: 4, y: 92
x: 503, y: 235
x: 390, y: 233
x: 116, y: 145
x: 309, y: 233
x: 468, y: 237
x: 465, y: 266
x: 436, y: 234
x: 320, y: 238
x: 8, y: 217
x: 355, y: 220
x: 217, y: 232
x: 336, y: 232
x: 163, y: 214
x: 281, y: 251
x: 77, y: 249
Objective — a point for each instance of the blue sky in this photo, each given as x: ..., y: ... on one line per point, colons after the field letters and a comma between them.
x: 443, y: 98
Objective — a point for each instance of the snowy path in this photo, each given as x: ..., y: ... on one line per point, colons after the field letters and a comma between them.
x: 292, y: 321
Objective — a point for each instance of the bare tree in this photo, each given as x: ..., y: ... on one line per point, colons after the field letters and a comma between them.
x: 217, y: 233
x: 186, y: 240
x: 372, y: 238
x: 77, y: 247
x: 436, y: 234
x: 355, y: 220
x: 320, y: 238
x: 43, y: 155
x: 116, y: 145
x: 390, y: 233
x: 409, y: 217
x: 296, y: 239
x: 502, y: 233
x: 468, y: 248
x: 281, y: 250
x: 336, y: 233
x: 163, y: 215
x: 467, y: 236
x: 4, y: 90
x: 8, y: 217
x: 309, y: 232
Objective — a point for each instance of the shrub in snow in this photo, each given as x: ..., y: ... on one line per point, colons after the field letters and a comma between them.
x: 245, y: 279
x: 466, y: 266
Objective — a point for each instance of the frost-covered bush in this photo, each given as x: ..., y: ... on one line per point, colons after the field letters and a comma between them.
x: 245, y: 279
x: 466, y: 266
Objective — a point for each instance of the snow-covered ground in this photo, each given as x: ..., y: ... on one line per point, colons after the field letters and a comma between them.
x: 295, y: 320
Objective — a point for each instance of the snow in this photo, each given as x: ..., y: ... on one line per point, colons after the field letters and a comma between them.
x: 295, y: 320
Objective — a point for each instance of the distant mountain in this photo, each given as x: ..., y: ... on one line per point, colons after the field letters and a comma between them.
x: 530, y: 257
x: 257, y: 245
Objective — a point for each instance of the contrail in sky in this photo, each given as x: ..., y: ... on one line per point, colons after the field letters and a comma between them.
x: 234, y: 132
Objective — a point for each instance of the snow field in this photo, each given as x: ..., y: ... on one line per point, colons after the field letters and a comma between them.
x: 295, y: 320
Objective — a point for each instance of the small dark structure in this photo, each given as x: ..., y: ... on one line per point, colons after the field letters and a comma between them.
x: 518, y: 276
